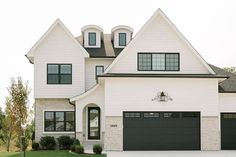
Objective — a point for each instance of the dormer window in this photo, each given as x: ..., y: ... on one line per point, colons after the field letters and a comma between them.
x: 121, y: 36
x: 122, y: 39
x: 92, y: 38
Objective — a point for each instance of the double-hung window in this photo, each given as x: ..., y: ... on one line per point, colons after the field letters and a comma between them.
x: 92, y: 38
x: 59, y: 74
x: 99, y: 70
x: 122, y: 39
x: 158, y: 61
x: 59, y: 121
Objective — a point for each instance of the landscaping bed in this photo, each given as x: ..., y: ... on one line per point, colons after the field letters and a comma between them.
x: 49, y: 153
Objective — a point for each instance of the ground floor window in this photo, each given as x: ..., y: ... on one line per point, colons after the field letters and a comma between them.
x: 59, y: 121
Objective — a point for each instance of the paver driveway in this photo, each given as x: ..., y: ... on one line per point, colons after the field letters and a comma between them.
x: 172, y: 154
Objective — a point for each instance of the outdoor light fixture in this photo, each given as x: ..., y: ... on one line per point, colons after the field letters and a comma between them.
x: 162, y: 96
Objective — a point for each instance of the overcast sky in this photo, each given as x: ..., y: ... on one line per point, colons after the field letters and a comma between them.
x: 210, y: 26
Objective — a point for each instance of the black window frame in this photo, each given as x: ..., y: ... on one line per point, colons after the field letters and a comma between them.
x: 99, y: 123
x: 140, y: 53
x: 120, y: 39
x: 98, y: 66
x: 59, y: 74
x: 89, y: 41
x: 55, y: 122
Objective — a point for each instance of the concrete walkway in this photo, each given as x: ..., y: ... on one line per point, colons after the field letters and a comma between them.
x: 171, y: 154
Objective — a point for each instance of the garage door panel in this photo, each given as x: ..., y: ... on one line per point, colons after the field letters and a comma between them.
x: 161, y: 133
x: 228, y: 131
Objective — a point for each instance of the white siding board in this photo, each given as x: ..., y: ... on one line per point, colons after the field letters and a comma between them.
x: 90, y: 65
x: 227, y: 102
x: 135, y: 94
x: 159, y: 37
x: 58, y: 47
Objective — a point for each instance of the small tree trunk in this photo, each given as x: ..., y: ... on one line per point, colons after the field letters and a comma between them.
x: 8, y: 142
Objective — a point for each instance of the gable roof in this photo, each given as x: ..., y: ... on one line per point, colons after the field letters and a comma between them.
x: 228, y: 85
x: 30, y: 54
x: 159, y: 12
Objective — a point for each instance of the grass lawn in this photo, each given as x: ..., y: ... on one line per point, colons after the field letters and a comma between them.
x: 53, y: 153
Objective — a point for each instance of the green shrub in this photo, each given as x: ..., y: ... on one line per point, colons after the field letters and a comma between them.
x: 65, y: 142
x: 72, y: 147
x: 79, y: 149
x: 35, y: 146
x: 47, y: 142
x: 76, y: 142
x: 97, y: 149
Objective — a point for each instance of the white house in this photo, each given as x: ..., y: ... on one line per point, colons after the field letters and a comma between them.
x: 152, y: 91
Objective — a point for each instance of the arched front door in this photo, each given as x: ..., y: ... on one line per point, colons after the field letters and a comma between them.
x: 94, y: 123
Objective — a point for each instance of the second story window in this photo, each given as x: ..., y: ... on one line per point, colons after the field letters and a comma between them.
x: 158, y: 61
x: 122, y: 39
x: 99, y: 70
x: 59, y: 74
x: 92, y: 38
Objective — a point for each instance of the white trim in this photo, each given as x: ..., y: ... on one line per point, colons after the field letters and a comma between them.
x: 159, y: 12
x: 30, y: 54
x: 57, y: 110
x: 75, y: 98
x: 122, y: 27
x: 93, y: 27
x: 55, y: 133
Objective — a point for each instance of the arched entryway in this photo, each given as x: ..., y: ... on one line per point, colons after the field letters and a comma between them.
x: 92, y: 122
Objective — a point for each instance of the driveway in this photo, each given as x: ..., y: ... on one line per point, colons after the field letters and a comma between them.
x: 171, y: 154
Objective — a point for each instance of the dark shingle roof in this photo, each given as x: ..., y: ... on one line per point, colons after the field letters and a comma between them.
x: 229, y: 85
x: 107, y: 49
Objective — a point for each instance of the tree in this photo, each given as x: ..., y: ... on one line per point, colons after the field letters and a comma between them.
x: 8, y: 129
x: 2, y: 116
x: 230, y: 69
x: 16, y: 110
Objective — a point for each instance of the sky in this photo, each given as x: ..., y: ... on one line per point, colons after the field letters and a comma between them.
x: 209, y: 25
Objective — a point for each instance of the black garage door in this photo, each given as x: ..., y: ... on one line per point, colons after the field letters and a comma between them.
x: 228, y: 131
x: 161, y: 131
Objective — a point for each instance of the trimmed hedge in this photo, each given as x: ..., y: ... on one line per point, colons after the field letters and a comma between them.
x: 79, y: 149
x: 65, y: 142
x: 47, y: 142
x: 97, y: 149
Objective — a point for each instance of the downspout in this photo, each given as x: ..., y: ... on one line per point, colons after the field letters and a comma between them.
x: 75, y: 115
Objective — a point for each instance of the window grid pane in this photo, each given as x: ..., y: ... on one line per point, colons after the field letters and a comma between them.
x: 122, y: 39
x: 65, y: 69
x: 53, y: 69
x: 172, y: 62
x: 92, y: 39
x: 145, y: 61
x: 151, y: 115
x: 66, y: 79
x: 158, y: 61
x: 59, y: 116
x: 53, y: 79
x: 99, y: 70
x: 132, y: 115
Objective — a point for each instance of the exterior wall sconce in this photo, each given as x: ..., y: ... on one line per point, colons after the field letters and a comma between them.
x: 162, y: 96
